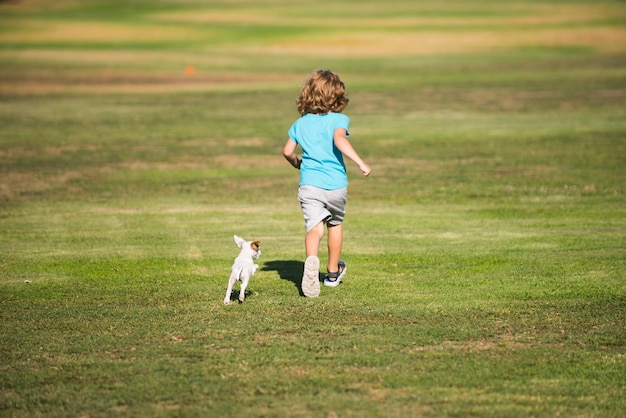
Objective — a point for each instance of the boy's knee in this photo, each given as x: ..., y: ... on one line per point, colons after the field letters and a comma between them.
x: 318, y: 229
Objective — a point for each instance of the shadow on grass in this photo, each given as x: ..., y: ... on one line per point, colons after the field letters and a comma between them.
x: 234, y: 296
x: 290, y: 270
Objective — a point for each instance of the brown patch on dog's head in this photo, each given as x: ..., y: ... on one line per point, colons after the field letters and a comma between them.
x: 255, y: 245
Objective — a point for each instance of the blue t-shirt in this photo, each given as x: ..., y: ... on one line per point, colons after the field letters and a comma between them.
x: 322, y: 162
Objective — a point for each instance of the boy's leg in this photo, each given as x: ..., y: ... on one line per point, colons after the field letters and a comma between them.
x: 313, y: 239
x: 335, y: 242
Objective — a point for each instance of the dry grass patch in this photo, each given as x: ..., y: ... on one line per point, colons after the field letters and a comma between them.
x: 228, y: 161
x: 415, y: 16
x: 43, y: 5
x: 21, y: 152
x: 428, y: 42
x: 14, y: 184
x: 428, y: 29
x: 119, y: 58
x: 38, y: 30
x: 503, y: 342
x: 113, y: 81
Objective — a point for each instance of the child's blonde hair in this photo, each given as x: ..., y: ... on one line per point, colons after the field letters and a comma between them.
x: 322, y: 92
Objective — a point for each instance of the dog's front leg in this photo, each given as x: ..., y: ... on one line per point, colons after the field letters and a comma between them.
x: 244, y: 284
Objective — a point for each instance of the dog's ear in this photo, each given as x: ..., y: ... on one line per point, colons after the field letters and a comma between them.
x: 239, y: 241
x: 255, y: 245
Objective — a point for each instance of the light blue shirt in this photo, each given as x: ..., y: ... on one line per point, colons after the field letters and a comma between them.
x: 322, y: 162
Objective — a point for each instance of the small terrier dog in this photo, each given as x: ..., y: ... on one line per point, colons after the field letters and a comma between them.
x: 243, y: 267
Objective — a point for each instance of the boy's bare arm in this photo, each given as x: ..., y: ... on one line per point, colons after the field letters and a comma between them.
x: 289, y: 152
x: 344, y: 145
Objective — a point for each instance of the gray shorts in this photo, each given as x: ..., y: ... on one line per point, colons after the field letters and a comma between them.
x: 319, y: 205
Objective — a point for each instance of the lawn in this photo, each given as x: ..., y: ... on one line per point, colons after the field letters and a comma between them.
x: 486, y: 252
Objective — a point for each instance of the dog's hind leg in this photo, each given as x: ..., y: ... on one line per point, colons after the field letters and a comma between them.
x: 244, y: 284
x: 231, y: 282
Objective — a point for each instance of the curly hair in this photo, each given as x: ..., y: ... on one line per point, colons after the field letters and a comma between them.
x: 323, y: 92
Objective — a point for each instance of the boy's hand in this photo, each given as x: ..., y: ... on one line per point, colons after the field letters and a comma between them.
x: 365, y: 169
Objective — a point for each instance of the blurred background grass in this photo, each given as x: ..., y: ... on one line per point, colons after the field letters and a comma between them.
x: 486, y: 249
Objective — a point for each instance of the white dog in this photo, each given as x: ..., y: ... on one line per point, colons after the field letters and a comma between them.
x: 243, y: 267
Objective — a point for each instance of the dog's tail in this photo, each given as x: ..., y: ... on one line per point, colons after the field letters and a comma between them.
x: 235, y: 273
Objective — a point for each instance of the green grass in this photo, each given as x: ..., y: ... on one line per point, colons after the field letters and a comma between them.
x: 486, y: 252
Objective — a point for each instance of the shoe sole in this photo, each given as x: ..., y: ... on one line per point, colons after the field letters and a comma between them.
x: 311, y: 277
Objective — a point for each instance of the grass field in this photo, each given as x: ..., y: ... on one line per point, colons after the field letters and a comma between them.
x: 486, y: 252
